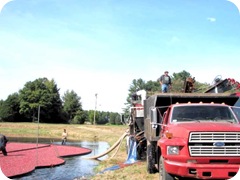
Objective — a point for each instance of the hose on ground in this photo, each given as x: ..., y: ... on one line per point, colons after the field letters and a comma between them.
x: 110, y: 149
x: 118, y: 147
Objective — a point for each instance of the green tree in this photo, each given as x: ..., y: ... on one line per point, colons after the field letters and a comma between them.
x: 181, y: 75
x: 118, y: 120
x: 91, y: 116
x: 112, y: 118
x: 115, y: 118
x: 44, y: 94
x: 80, y: 117
x: 178, y: 80
x: 55, y: 110
x: 9, y: 109
x: 71, y: 104
x: 137, y: 84
x: 33, y: 95
x: 152, y: 87
x: 103, y: 117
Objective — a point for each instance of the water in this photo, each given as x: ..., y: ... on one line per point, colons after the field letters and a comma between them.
x: 132, y: 152
x: 76, y: 167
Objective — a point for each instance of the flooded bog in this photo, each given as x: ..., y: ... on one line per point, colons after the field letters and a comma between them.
x: 76, y: 167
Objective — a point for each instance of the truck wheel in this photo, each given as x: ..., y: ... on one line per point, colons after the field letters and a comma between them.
x: 151, y: 168
x: 163, y: 175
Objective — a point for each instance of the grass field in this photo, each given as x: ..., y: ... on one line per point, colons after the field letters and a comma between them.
x: 108, y: 134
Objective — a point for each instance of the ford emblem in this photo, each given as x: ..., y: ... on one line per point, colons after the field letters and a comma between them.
x: 219, y: 144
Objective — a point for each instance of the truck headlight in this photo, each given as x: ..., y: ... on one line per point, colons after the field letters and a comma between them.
x: 172, y: 150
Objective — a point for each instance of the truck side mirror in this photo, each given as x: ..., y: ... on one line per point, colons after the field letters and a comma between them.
x: 152, y: 127
x: 154, y: 117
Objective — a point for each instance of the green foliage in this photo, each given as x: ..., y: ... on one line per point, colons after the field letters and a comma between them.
x: 9, y: 109
x: 177, y: 85
x: 152, y: 86
x: 178, y: 81
x: 181, y: 76
x: 103, y: 117
x: 33, y: 95
x: 71, y: 104
x: 80, y: 117
x: 91, y: 116
x: 5, y: 111
x: 44, y: 94
x: 118, y: 120
x: 115, y: 118
x: 137, y: 85
x: 55, y: 110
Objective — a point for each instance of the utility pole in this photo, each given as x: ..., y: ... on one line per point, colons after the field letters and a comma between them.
x: 39, y: 107
x: 94, y: 121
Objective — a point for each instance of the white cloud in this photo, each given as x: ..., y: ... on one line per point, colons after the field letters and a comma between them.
x: 211, y: 19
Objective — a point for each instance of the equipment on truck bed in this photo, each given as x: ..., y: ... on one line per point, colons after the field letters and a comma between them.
x: 222, y: 85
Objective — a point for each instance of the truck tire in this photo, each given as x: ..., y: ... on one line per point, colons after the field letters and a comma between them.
x: 163, y: 175
x: 151, y: 154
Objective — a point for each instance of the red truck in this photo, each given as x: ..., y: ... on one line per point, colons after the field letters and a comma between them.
x: 189, y: 135
x: 198, y: 140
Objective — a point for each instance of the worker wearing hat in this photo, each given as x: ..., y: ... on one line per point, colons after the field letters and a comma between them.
x: 165, y: 82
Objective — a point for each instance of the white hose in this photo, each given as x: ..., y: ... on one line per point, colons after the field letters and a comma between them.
x: 110, y: 149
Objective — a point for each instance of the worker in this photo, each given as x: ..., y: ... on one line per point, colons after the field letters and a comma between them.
x: 64, y: 136
x: 3, y: 143
x: 165, y: 82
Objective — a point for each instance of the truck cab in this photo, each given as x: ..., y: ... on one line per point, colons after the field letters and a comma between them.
x: 199, y: 140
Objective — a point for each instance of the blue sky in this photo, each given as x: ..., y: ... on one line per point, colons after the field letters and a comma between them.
x: 100, y: 46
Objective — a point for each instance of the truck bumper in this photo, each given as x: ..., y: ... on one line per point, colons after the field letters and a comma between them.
x: 202, y: 171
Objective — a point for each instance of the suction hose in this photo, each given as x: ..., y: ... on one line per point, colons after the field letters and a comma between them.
x: 110, y: 149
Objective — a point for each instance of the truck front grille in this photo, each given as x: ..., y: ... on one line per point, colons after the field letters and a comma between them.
x: 214, y: 144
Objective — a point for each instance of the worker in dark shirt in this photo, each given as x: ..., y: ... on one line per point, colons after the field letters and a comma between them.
x: 3, y: 143
x: 165, y: 82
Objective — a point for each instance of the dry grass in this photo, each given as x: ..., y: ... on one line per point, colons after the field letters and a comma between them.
x: 108, y: 134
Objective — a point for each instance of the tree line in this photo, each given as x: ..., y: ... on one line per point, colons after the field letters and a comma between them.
x: 42, y: 95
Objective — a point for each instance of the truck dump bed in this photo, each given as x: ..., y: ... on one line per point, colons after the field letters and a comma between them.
x: 166, y: 99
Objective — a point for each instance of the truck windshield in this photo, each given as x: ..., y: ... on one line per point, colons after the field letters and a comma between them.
x: 236, y: 110
x: 202, y: 113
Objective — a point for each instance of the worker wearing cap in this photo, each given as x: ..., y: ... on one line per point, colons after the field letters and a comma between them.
x: 165, y: 82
